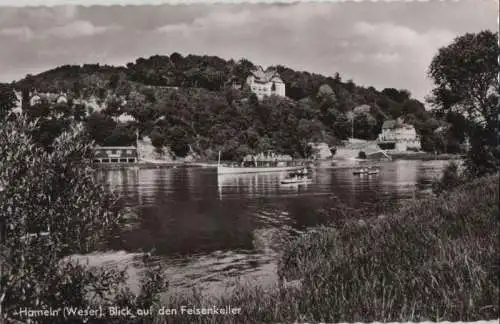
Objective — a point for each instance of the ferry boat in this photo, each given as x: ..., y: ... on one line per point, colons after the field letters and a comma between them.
x: 259, y: 164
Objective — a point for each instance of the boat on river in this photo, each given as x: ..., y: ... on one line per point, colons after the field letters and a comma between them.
x: 297, y: 177
x: 259, y: 164
x: 366, y: 171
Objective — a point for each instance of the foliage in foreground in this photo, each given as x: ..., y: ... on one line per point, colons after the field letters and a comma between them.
x: 51, y: 208
x: 434, y: 260
x: 451, y: 178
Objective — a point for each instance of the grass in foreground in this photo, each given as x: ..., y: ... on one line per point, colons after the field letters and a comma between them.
x: 434, y: 260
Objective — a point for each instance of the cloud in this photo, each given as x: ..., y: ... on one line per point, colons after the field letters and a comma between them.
x: 20, y: 33
x: 252, y: 17
x: 76, y: 29
x: 375, y: 44
x: 70, y: 30
x: 173, y: 28
x: 402, y: 36
x: 224, y: 19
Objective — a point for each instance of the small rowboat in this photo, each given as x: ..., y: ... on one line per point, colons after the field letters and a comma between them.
x: 298, y: 177
x: 364, y: 171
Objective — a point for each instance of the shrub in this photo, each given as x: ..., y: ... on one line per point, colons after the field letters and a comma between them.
x: 434, y: 260
x: 450, y: 179
x: 51, y: 207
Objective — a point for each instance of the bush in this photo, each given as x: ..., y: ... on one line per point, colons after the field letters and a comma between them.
x: 482, y: 159
x: 450, y: 179
x: 361, y: 155
x: 434, y: 260
x: 52, y: 208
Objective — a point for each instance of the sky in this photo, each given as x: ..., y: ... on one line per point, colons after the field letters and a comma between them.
x: 379, y: 44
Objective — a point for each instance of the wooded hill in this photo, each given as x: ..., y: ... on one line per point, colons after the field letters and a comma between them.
x: 192, y: 100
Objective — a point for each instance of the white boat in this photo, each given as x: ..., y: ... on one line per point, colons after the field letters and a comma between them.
x: 222, y: 169
x: 233, y: 170
x: 296, y: 180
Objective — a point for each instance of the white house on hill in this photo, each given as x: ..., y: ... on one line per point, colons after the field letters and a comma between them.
x: 398, y: 136
x: 266, y: 83
x: 37, y: 98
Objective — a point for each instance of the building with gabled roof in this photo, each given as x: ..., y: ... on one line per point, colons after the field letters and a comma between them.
x: 398, y: 136
x: 116, y: 154
x: 266, y: 83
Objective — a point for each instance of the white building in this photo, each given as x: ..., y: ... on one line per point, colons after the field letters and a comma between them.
x: 398, y: 136
x: 37, y: 98
x: 266, y: 83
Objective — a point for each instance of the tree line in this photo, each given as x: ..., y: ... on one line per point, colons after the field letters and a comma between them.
x: 200, y: 107
x: 192, y: 102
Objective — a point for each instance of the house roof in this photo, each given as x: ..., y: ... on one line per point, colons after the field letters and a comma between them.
x: 392, y: 124
x: 265, y: 76
x: 115, y: 151
x: 115, y: 147
x: 362, y: 108
x: 389, y: 124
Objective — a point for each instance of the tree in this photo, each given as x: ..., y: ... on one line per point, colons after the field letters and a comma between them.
x: 157, y: 139
x: 342, y: 127
x: 79, y: 112
x: 397, y: 95
x: 365, y: 126
x: 122, y: 135
x: 338, y: 78
x: 465, y: 74
x: 176, y: 58
x: 100, y: 126
x: 8, y: 100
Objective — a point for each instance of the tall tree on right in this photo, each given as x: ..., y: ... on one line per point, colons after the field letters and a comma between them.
x: 465, y: 74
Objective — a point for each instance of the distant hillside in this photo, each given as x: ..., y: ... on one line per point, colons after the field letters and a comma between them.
x: 198, y: 105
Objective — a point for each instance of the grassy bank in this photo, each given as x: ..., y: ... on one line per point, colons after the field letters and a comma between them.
x: 434, y: 260
x: 425, y: 156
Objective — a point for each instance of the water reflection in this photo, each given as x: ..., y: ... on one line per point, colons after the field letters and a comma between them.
x: 207, y: 228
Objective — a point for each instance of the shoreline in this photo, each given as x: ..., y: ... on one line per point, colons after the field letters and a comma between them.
x: 424, y: 156
x: 152, y: 165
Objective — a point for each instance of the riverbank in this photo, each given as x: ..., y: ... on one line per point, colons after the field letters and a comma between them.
x: 152, y: 165
x: 436, y: 259
x: 424, y: 156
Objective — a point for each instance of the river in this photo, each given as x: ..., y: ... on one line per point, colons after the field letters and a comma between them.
x: 210, y: 231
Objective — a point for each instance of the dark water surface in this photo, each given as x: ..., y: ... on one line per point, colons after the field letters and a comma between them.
x: 210, y: 231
